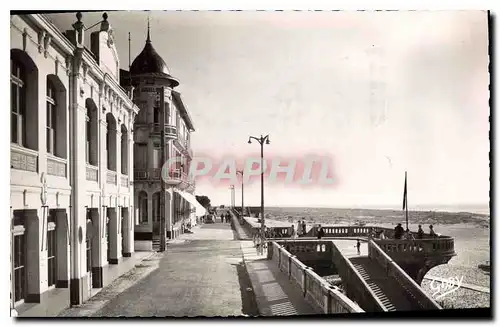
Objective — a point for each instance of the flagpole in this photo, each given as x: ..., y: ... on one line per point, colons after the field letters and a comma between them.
x: 406, y: 200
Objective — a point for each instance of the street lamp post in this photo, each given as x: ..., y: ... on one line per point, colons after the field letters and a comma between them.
x: 231, y: 187
x: 242, y: 204
x: 261, y: 141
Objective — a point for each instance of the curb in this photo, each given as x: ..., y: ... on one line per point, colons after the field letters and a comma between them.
x: 237, y: 228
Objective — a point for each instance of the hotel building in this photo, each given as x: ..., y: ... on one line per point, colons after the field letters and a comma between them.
x: 74, y: 210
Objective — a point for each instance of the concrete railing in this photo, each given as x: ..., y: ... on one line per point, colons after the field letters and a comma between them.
x: 355, y: 284
x: 413, y: 291
x: 342, y: 231
x: 319, y: 293
x: 438, y: 245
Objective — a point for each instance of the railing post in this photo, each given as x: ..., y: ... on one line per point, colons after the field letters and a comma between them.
x: 305, y: 280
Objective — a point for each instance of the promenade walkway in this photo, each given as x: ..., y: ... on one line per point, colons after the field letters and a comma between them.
x: 275, y: 293
x: 201, y: 274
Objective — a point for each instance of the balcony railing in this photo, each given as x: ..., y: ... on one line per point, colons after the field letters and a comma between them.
x: 111, y: 177
x: 184, y: 146
x: 146, y: 174
x: 23, y: 159
x: 92, y: 173
x: 154, y: 174
x: 56, y: 166
x: 124, y: 181
x: 170, y: 130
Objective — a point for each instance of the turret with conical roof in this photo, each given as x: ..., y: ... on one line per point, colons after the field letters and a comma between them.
x: 151, y: 63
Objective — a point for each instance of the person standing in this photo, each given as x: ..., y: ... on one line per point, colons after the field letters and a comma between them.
x: 398, y: 232
x: 431, y: 231
x: 320, y: 233
x: 420, y: 232
x: 304, y: 232
x: 358, y: 246
x: 293, y: 233
x: 299, y: 228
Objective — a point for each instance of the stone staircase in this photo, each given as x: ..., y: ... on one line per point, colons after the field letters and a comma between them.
x: 385, y: 288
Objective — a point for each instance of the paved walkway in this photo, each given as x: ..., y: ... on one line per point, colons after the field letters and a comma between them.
x: 203, y: 274
x: 216, y: 231
x: 275, y: 294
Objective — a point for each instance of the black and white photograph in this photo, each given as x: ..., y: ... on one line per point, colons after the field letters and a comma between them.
x: 250, y: 164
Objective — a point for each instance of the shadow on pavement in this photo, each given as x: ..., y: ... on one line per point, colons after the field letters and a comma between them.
x: 248, y: 302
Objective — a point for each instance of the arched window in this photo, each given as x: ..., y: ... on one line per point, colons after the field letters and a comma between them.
x: 51, y: 118
x: 91, y: 132
x: 111, y: 141
x: 18, y: 104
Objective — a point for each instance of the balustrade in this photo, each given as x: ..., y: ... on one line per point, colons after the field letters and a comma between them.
x: 111, y: 177
x: 92, y: 173
x: 56, y: 166
x: 411, y: 288
x: 142, y: 174
x: 170, y: 130
x: 355, y: 282
x: 124, y: 181
x: 23, y: 158
x: 297, y: 269
x: 442, y: 245
x: 316, y: 290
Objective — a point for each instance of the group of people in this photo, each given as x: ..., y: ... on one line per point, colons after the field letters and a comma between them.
x: 225, y: 217
x: 301, y: 227
x: 260, y: 239
x: 400, y: 233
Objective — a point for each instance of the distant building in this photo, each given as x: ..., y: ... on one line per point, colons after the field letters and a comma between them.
x: 161, y: 110
x: 71, y: 164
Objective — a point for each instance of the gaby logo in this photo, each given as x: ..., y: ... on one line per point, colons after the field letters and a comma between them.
x: 308, y: 170
x: 444, y: 287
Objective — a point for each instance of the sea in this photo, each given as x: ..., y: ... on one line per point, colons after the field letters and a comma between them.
x: 471, y: 228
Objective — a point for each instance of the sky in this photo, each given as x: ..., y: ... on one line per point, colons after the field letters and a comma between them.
x: 379, y: 93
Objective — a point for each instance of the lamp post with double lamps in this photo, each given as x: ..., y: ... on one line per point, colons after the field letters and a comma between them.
x: 242, y: 205
x: 262, y: 140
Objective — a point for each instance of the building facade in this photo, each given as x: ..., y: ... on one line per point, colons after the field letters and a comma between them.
x: 162, y: 114
x: 72, y: 150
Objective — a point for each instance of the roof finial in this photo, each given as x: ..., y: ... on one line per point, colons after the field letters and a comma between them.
x: 148, y: 39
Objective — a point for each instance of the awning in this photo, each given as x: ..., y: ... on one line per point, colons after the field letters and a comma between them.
x: 200, y: 210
